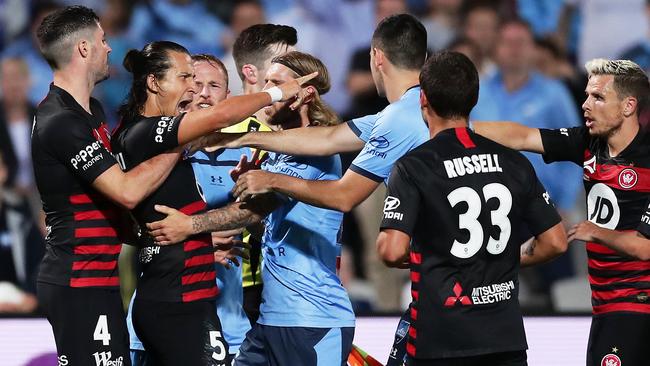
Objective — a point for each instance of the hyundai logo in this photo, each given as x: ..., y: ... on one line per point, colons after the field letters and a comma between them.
x: 391, y: 203
x: 379, y: 142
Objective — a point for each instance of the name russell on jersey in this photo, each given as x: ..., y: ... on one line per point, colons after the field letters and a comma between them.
x: 480, y: 163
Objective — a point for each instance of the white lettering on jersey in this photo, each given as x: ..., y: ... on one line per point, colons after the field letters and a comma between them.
x: 104, y: 359
x: 390, y: 204
x: 490, y: 294
x: 481, y: 163
x: 602, y: 206
x: 86, y: 153
x: 162, y: 124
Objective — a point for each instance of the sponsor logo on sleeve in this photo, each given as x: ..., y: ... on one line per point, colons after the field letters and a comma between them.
x: 375, y: 145
x: 165, y: 123
x: 87, y: 156
x: 390, y: 204
x: 547, y: 198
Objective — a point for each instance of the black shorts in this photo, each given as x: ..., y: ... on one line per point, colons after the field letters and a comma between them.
x: 176, y: 333
x: 89, y: 324
x: 621, y: 338
x: 516, y: 358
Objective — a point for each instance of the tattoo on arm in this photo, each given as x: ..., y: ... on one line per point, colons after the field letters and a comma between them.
x: 236, y: 215
x: 529, y: 249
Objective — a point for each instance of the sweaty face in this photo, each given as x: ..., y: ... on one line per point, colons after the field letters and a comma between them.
x: 603, y: 111
x: 100, y: 51
x: 279, y: 113
x: 210, y: 85
x: 176, y: 88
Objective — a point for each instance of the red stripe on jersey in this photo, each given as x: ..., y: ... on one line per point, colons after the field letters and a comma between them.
x: 94, y: 232
x: 98, y: 249
x: 191, y: 245
x: 622, y: 306
x: 193, y: 208
x: 463, y: 137
x: 410, y: 349
x: 414, y: 313
x: 199, y: 260
x: 198, y: 277
x: 415, y: 295
x: 415, y: 277
x: 93, y: 265
x: 600, y: 249
x: 200, y: 294
x: 94, y: 281
x: 619, y: 266
x: 413, y: 333
x: 416, y: 258
x: 79, y: 199
x: 94, y: 215
x: 623, y: 177
x: 596, y: 281
x: 615, y: 294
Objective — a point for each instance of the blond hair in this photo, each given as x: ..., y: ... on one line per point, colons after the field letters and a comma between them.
x: 629, y: 78
x: 320, y: 114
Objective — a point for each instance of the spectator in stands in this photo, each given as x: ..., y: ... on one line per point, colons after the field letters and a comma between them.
x: 21, y: 249
x: 481, y: 25
x: 26, y: 47
x: 441, y: 22
x: 468, y: 48
x: 640, y: 52
x: 16, y: 115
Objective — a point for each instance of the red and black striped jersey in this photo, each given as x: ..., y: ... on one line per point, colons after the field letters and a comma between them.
x: 617, y: 190
x: 467, y: 203
x: 70, y: 149
x: 181, y: 272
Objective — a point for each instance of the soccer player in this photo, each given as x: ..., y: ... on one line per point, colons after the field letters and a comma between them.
x: 615, y: 155
x: 173, y: 312
x: 455, y: 206
x: 253, y: 51
x: 82, y: 189
x: 306, y: 317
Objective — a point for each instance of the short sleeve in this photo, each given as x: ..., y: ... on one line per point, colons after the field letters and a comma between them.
x: 154, y: 135
x: 564, y: 144
x: 644, y: 224
x: 389, y: 141
x: 402, y: 202
x: 72, y: 141
x: 540, y: 213
x: 362, y: 126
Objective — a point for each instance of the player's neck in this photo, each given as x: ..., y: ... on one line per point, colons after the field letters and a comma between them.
x: 80, y: 88
x: 249, y: 89
x: 619, y: 140
x: 398, y: 82
x: 437, y: 124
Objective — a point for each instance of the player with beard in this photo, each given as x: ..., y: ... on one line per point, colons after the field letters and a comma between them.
x: 178, y: 279
x: 615, y: 154
x: 82, y: 189
x: 306, y: 316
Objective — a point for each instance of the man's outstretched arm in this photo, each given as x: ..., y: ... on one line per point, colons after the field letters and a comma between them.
x: 631, y: 243
x: 511, y: 134
x: 342, y: 194
x: 544, y: 247
x: 315, y: 141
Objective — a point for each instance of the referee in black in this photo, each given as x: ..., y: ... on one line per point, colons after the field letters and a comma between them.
x: 455, y: 209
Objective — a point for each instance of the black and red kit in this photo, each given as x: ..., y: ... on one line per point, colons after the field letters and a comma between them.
x: 618, y: 195
x: 465, y: 200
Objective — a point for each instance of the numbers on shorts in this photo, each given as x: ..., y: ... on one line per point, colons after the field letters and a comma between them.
x: 101, y: 331
x: 469, y: 219
x: 216, y: 342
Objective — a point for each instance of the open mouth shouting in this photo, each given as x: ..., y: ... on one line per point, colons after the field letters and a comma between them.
x: 183, y: 105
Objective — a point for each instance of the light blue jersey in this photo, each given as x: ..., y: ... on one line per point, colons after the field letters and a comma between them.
x: 212, y: 172
x: 301, y: 249
x: 389, y: 135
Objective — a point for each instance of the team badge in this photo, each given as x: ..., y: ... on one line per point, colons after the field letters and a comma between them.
x: 611, y: 360
x: 627, y: 178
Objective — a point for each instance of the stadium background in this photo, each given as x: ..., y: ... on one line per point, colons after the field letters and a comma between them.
x: 563, y: 35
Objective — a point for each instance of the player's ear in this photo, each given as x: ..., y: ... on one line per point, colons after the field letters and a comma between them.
x: 83, y: 47
x: 250, y: 73
x: 379, y: 58
x: 423, y: 99
x: 630, y: 105
x: 152, y: 84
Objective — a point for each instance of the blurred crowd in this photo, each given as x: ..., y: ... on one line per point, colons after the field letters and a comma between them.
x: 529, y: 54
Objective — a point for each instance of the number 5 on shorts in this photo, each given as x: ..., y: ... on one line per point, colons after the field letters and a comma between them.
x: 101, y: 330
x: 217, y: 343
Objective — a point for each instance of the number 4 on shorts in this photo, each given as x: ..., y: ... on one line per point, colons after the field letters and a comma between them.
x: 101, y: 330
